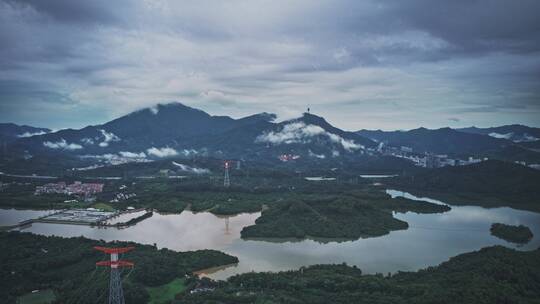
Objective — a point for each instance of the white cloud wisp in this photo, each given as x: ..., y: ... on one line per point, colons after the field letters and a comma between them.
x: 300, y: 133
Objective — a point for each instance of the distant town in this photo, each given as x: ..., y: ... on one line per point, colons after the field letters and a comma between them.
x: 428, y: 160
x: 86, y: 190
x: 432, y: 160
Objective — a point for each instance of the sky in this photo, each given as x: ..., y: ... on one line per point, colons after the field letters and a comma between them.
x: 360, y: 64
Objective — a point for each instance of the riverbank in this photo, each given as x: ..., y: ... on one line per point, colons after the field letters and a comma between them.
x: 488, y: 184
x: 455, y: 281
x: 469, y: 199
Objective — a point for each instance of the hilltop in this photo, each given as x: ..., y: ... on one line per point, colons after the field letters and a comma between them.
x: 489, y: 183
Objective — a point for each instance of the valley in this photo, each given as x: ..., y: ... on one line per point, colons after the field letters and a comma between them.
x: 269, y: 152
x: 301, y: 195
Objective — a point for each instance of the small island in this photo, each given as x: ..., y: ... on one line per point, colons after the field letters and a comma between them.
x: 323, y: 219
x: 516, y: 234
x: 346, y: 216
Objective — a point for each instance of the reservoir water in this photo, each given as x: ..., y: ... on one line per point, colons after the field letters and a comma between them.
x: 9, y: 217
x: 430, y: 239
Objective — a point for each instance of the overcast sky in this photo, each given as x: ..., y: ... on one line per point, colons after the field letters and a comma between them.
x: 361, y: 64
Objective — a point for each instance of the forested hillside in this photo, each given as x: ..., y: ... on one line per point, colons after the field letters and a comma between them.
x: 491, y: 275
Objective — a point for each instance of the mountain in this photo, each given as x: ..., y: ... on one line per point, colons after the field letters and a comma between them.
x: 489, y: 183
x: 308, y: 136
x: 531, y: 145
x: 515, y: 133
x: 456, y: 144
x: 175, y: 130
x: 10, y: 131
x: 163, y: 125
x: 441, y: 141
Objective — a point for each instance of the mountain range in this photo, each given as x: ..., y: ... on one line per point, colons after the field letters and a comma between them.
x: 523, y: 135
x: 476, y: 142
x: 176, y: 130
x: 11, y: 132
x: 515, y: 133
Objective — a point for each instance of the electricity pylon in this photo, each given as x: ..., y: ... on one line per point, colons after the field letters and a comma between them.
x: 116, y: 293
x: 226, y: 179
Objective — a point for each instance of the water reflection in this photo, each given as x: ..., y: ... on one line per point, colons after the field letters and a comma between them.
x: 9, y: 217
x: 182, y: 232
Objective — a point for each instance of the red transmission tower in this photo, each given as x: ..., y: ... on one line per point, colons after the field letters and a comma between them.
x: 116, y: 293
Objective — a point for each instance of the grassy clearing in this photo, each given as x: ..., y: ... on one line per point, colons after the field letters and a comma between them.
x: 41, y: 297
x: 166, y: 293
x: 103, y: 206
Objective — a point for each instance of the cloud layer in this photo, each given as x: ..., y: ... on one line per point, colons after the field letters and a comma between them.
x: 299, y: 132
x: 361, y: 64
x: 162, y: 152
x: 107, y: 138
x: 62, y: 144
x: 29, y: 134
x: 189, y: 169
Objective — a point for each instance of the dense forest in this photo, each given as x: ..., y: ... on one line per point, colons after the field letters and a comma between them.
x: 350, y: 215
x: 21, y: 195
x: 199, y: 193
x: 331, y: 218
x: 292, y: 207
x: 489, y: 183
x: 31, y: 262
x: 517, y: 234
x: 248, y: 192
x: 491, y: 275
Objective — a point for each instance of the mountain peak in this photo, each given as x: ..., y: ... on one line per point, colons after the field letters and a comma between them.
x: 13, y: 131
x: 309, y: 118
x: 169, y: 106
x: 263, y: 116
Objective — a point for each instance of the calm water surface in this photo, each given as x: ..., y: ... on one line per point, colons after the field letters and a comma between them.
x: 9, y: 217
x: 430, y: 240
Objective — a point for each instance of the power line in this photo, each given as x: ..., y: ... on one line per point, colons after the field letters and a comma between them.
x: 87, y: 286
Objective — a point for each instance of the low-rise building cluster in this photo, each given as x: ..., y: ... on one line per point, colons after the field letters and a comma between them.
x: 78, y: 188
x: 428, y: 160
x: 122, y: 197
x: 288, y: 157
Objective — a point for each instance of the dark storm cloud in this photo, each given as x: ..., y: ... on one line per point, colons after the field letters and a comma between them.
x: 398, y: 63
x: 34, y: 97
x: 476, y: 26
x: 92, y: 12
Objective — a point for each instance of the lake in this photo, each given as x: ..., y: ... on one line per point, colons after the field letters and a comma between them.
x: 430, y: 239
x: 9, y: 217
